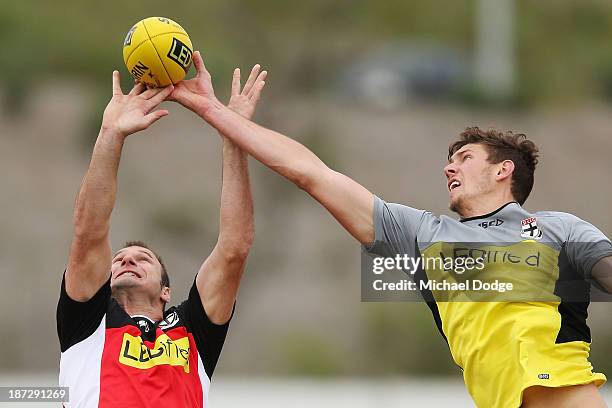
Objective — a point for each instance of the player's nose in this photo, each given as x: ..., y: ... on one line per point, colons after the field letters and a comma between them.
x: 128, y: 260
x: 450, y: 170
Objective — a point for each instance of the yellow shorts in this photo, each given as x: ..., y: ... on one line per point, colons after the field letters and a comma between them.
x: 502, y: 383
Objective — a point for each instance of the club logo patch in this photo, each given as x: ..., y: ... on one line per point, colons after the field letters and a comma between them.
x: 529, y: 229
x: 169, y: 321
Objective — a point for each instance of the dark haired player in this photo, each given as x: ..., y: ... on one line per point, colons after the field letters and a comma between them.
x: 511, y: 353
x: 120, y: 347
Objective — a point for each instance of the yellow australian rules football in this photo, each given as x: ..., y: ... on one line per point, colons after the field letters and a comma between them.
x: 157, y: 51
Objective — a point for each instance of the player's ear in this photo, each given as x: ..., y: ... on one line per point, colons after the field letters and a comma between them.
x: 505, y: 169
x: 165, y: 294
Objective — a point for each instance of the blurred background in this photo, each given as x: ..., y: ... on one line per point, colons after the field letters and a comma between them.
x: 377, y: 89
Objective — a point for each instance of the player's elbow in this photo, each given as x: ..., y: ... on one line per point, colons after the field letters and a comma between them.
x: 235, y: 254
x: 303, y: 181
x: 237, y: 248
x: 90, y: 231
x: 307, y: 176
x: 246, y: 242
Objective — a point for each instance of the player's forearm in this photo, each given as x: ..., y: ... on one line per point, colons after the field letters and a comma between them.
x: 282, y: 154
x: 96, y: 198
x: 236, y: 227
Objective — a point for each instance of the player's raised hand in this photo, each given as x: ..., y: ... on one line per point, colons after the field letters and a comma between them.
x: 196, y: 94
x: 127, y: 114
x: 245, y: 101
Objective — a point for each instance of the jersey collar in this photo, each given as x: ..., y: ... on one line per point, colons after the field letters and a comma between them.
x: 479, y: 217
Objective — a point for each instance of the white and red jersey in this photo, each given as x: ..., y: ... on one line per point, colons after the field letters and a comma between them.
x: 112, y: 359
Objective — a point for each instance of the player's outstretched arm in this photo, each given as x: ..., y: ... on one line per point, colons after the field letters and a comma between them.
x: 90, y: 253
x: 219, y: 277
x: 349, y: 202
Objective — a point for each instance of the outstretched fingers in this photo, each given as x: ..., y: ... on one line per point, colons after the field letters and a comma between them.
x: 251, y: 80
x: 117, y: 83
x: 260, y: 82
x: 236, y: 82
x: 199, y: 64
x: 149, y: 93
x: 153, y: 117
x: 160, y: 96
x: 137, y: 89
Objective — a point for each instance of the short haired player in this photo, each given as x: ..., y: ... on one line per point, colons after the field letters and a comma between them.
x: 120, y: 345
x: 511, y: 353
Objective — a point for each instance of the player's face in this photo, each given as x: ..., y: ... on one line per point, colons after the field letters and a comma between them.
x: 136, y: 267
x: 469, y: 176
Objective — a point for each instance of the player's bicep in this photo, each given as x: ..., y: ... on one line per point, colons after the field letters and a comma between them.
x: 217, y: 282
x: 586, y: 248
x: 89, y: 267
x: 602, y: 273
x: 350, y: 203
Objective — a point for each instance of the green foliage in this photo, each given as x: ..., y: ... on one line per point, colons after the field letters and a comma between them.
x: 390, y: 333
x: 560, y: 44
x: 303, y: 352
x: 601, y: 350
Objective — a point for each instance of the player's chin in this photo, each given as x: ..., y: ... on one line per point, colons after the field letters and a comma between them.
x: 125, y: 281
x: 454, y: 203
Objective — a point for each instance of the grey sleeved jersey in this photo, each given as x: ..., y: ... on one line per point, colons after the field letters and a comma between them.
x: 585, y: 244
x: 532, y: 333
x: 396, y: 227
x: 400, y: 229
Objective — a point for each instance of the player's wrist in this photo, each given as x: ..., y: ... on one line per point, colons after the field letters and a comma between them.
x: 240, y: 108
x: 209, y: 109
x: 112, y: 132
x: 232, y: 150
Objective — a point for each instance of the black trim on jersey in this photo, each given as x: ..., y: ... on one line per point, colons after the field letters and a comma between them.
x: 209, y: 337
x: 489, y: 214
x: 147, y: 326
x: 421, y: 276
x: 573, y: 314
x: 117, y: 317
x: 76, y: 320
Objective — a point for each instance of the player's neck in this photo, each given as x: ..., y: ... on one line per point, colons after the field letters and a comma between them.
x: 485, y: 205
x: 138, y: 305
